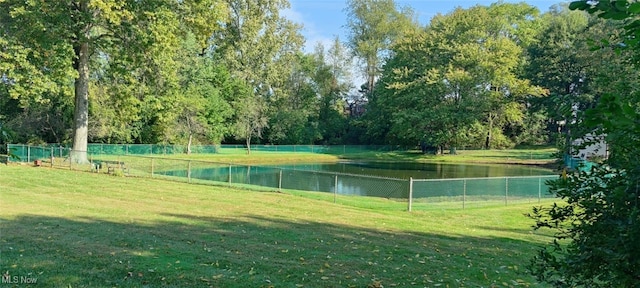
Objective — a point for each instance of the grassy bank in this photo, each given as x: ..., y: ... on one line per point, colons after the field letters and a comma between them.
x: 539, y: 156
x: 530, y: 156
x: 240, y: 156
x: 77, y: 229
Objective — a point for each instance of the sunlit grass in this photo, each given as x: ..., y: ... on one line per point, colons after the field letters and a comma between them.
x: 237, y: 156
x: 78, y: 229
x: 541, y: 156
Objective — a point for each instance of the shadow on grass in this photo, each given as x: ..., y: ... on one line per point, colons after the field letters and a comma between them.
x: 249, y: 251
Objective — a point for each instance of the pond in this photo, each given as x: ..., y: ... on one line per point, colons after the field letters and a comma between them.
x: 425, y: 170
x: 390, y: 180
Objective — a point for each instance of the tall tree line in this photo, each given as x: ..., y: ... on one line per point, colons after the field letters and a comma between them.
x: 234, y: 71
x: 596, y: 226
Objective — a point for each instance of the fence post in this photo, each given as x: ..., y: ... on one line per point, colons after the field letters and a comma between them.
x: 51, y: 157
x: 229, y: 175
x: 28, y: 154
x: 410, y: 193
x: 280, y: 181
x: 506, y: 190
x: 539, y: 189
x: 464, y: 192
x: 335, y: 188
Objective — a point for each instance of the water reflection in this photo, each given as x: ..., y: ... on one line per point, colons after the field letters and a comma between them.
x: 425, y: 170
x: 353, y: 178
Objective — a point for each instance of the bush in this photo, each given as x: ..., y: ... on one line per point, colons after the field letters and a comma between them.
x: 597, y: 232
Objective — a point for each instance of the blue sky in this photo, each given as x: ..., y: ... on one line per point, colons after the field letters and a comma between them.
x: 323, y: 19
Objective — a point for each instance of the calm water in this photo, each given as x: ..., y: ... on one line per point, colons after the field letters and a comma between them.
x: 322, y: 177
x: 425, y: 170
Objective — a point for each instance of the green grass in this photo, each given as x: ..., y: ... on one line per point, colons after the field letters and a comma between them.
x: 240, y: 156
x: 536, y: 156
x: 77, y: 229
x: 531, y: 156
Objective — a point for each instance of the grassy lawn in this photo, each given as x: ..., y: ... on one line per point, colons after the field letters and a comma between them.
x: 240, y: 156
x: 529, y: 156
x: 76, y: 229
x: 536, y: 156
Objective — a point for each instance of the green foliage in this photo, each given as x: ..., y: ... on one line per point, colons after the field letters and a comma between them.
x: 5, y: 138
x: 624, y: 13
x: 47, y: 45
x: 598, y: 230
x: 533, y: 129
x: 460, y: 71
x: 333, y: 82
x: 165, y: 71
x: 294, y: 120
x: 257, y: 46
x: 372, y: 27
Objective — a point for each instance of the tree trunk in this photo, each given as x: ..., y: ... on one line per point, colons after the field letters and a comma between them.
x: 487, y: 144
x: 189, y: 144
x: 81, y: 110
x: 248, y: 138
x: 371, y: 76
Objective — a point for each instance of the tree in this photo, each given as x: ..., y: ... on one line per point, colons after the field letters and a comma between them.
x: 333, y: 80
x: 457, y: 77
x: 61, y: 37
x: 372, y: 27
x: 562, y: 63
x: 597, y: 228
x: 251, y: 117
x: 198, y: 109
x: 294, y: 121
x: 257, y: 45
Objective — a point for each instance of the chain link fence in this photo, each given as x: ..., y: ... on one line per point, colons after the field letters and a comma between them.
x: 417, y: 194
x: 28, y: 152
x: 475, y: 192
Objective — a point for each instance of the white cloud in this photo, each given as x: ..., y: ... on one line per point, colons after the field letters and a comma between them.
x: 324, y: 34
x: 309, y: 30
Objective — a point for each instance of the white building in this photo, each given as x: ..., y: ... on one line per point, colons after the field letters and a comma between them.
x: 591, y: 146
